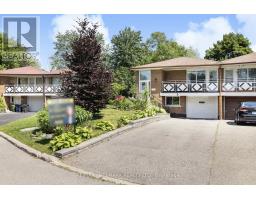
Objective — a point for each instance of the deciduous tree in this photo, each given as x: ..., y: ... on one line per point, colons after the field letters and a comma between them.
x: 88, y: 81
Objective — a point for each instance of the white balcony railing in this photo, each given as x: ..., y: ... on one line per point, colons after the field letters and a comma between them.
x: 12, y: 89
x: 239, y: 85
x: 187, y: 87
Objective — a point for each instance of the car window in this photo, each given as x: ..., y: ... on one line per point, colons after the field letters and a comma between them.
x: 249, y: 104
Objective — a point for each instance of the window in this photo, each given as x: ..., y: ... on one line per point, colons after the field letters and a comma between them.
x: 22, y: 81
x: 144, y: 82
x: 213, y: 76
x: 242, y: 74
x: 246, y: 74
x: 172, y: 101
x: 196, y: 76
x: 145, y: 75
x: 228, y: 75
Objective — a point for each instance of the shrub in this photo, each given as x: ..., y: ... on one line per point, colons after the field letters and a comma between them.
x: 122, y: 103
x: 65, y: 140
x: 2, y: 104
x: 104, y: 125
x: 84, y: 132
x: 124, y: 120
x: 82, y: 115
x: 43, y: 121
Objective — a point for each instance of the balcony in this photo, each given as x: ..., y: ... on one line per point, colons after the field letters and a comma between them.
x: 209, y: 87
x: 32, y: 89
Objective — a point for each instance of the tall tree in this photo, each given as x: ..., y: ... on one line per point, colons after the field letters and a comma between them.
x: 162, y: 48
x: 232, y: 45
x: 127, y: 51
x: 127, y: 48
x: 10, y: 58
x: 62, y: 45
x: 87, y: 80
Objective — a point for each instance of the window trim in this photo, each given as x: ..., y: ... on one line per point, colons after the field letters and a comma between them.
x: 171, y: 105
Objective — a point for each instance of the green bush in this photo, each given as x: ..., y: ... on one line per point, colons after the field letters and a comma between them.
x: 70, y: 139
x: 84, y: 132
x: 65, y: 140
x: 43, y: 121
x: 2, y: 104
x: 124, y: 120
x: 104, y: 125
x: 82, y: 115
x: 122, y: 104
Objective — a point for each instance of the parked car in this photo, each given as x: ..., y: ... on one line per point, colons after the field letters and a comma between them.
x: 246, y: 112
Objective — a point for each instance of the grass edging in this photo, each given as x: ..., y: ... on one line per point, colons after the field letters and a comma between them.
x: 56, y: 162
x: 106, y: 136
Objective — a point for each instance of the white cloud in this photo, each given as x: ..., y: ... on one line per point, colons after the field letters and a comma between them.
x: 63, y: 23
x: 202, y: 35
x: 248, y: 27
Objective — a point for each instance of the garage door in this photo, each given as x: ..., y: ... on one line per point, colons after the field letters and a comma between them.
x: 202, y: 107
x: 35, y: 103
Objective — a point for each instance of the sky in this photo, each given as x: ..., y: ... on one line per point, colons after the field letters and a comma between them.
x: 198, y: 31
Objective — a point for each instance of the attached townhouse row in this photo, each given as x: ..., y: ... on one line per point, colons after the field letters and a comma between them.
x: 200, y: 88
x: 29, y: 86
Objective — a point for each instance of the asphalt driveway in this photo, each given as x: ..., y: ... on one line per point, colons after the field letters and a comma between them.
x: 12, y: 116
x: 176, y: 151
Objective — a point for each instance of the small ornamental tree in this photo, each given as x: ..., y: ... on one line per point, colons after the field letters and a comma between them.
x: 87, y: 81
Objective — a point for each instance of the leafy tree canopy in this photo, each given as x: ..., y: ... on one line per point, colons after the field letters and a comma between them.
x: 162, y: 48
x: 232, y: 45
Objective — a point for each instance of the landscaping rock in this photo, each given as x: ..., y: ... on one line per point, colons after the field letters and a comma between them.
x: 29, y: 129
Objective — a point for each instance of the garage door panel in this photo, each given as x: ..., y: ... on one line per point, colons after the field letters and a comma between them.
x: 202, y: 107
x: 35, y: 103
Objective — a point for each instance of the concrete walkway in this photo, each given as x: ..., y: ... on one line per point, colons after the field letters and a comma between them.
x: 12, y: 116
x: 176, y: 151
x: 17, y: 167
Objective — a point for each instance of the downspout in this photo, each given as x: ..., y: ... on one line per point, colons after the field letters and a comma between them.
x: 220, y: 106
x: 44, y: 97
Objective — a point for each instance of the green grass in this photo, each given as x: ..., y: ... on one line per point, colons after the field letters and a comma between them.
x: 13, y: 128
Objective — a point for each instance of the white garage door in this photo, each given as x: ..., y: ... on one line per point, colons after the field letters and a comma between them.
x: 202, y: 107
x: 35, y: 103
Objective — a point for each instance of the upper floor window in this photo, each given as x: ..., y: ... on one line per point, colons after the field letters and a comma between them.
x: 228, y: 75
x: 196, y: 76
x: 145, y: 75
x: 213, y: 76
x: 246, y: 74
x: 144, y: 80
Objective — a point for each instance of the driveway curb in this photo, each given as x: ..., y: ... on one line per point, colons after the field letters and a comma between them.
x: 55, y: 161
x: 107, y: 136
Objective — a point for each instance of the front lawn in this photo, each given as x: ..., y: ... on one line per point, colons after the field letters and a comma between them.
x: 13, y: 129
x: 30, y: 139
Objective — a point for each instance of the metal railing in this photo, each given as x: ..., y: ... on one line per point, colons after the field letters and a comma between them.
x: 184, y: 86
x: 48, y: 88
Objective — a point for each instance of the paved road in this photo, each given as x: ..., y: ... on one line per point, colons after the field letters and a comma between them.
x: 176, y: 151
x: 17, y: 167
x: 9, y: 117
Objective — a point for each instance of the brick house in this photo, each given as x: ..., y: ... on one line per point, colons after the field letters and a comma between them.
x: 29, y: 86
x: 199, y: 88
